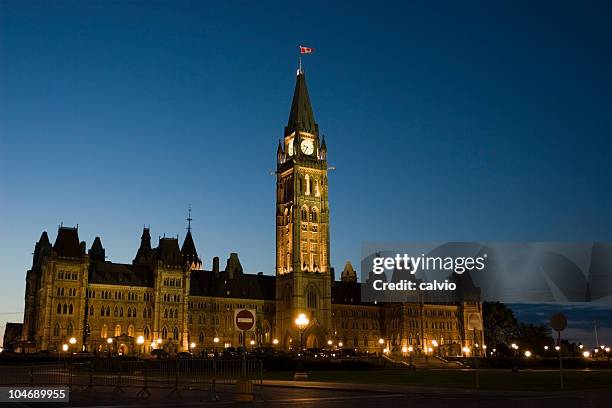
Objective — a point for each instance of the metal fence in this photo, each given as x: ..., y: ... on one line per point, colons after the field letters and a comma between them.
x: 214, y: 376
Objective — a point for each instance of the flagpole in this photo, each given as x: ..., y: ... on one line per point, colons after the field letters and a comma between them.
x: 300, y: 71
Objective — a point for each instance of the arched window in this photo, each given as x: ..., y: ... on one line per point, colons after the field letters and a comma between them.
x: 70, y: 309
x: 108, y: 311
x: 134, y: 312
x: 57, y: 330
x: 131, y: 330
x: 164, y: 333
x: 69, y: 330
x: 175, y: 333
x: 314, y: 215
x: 59, y: 308
x: 91, y: 311
x: 129, y: 312
x: 316, y: 188
x: 121, y: 312
x: 307, y: 179
x: 65, y: 309
x: 312, y: 299
x: 116, y: 313
x: 117, y: 330
x: 104, y: 331
x: 304, y: 214
x: 166, y: 313
x: 201, y: 337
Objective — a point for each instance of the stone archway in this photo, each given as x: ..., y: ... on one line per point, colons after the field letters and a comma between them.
x: 288, y: 341
x: 312, y: 341
x: 314, y: 337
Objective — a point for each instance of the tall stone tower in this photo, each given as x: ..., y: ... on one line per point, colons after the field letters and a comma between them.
x: 303, y: 283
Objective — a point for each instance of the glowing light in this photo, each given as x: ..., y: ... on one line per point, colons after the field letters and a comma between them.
x: 302, y: 321
x: 404, y: 349
x: 275, y: 341
x: 527, y: 353
x: 557, y: 348
x: 252, y: 342
x: 159, y: 341
x: 340, y: 344
x: 192, y: 345
x: 546, y: 347
x: 72, y: 340
x: 466, y: 350
x: 381, y: 341
x: 216, y: 340
x: 430, y: 349
x: 140, y: 340
x: 109, y: 340
x: 410, y: 348
x: 329, y: 342
x: 514, y: 346
x: 586, y: 354
x: 434, y: 343
x: 65, y: 347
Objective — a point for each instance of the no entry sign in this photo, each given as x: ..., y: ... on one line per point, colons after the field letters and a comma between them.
x: 244, y: 319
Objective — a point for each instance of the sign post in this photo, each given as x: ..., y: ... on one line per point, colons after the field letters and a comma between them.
x: 558, y: 322
x: 474, y: 323
x: 244, y: 320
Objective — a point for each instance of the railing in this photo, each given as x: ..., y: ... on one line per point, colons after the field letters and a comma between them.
x: 210, y: 375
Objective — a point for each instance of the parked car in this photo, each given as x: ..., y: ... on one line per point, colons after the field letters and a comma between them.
x: 160, y: 353
x: 184, y: 354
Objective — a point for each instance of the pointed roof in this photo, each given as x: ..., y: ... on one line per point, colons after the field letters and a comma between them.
x: 97, y: 251
x: 301, y: 116
x: 44, y: 239
x: 67, y: 243
x: 188, y: 247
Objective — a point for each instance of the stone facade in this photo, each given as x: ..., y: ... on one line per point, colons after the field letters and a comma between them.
x: 166, y: 296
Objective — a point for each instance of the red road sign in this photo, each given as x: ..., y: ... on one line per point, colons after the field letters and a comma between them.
x: 245, y: 319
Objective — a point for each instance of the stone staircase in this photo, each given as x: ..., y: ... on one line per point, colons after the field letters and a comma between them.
x: 421, y: 362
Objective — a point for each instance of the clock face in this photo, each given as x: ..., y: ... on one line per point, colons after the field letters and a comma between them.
x: 307, y: 146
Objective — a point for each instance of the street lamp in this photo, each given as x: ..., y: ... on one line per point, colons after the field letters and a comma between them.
x: 557, y: 348
x: 275, y: 342
x: 72, y: 340
x: 586, y: 354
x: 466, y: 350
x: 381, y: 341
x: 216, y: 341
x: 301, y: 322
x: 110, y: 345
x: 252, y: 345
x: 65, y: 347
x: 527, y: 353
x: 340, y: 344
x: 140, y: 341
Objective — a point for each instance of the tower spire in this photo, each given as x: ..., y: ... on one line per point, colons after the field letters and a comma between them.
x: 189, y: 219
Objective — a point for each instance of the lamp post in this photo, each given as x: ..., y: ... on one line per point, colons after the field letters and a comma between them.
x: 109, y: 341
x: 216, y: 341
x: 252, y: 345
x: 192, y: 347
x: 381, y: 342
x: 140, y: 341
x: 301, y: 322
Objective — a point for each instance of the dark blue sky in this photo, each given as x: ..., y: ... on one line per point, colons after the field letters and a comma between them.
x: 446, y: 121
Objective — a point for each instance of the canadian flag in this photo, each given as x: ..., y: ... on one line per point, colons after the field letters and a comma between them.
x: 306, y: 50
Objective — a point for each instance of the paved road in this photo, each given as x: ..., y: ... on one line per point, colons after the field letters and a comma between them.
x: 330, y: 395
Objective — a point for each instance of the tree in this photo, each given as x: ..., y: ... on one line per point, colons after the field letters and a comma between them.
x: 500, y: 324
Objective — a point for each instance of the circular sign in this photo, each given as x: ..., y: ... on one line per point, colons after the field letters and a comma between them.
x: 558, y: 321
x: 245, y: 320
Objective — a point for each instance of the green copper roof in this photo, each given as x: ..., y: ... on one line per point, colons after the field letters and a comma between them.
x: 301, y: 116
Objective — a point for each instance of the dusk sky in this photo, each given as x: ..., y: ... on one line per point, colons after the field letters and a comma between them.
x: 487, y: 121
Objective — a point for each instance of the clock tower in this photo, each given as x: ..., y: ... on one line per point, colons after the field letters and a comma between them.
x: 303, y: 283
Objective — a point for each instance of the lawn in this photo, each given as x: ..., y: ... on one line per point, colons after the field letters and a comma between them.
x: 540, y: 380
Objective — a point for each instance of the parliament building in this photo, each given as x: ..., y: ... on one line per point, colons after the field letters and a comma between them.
x: 74, y: 296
